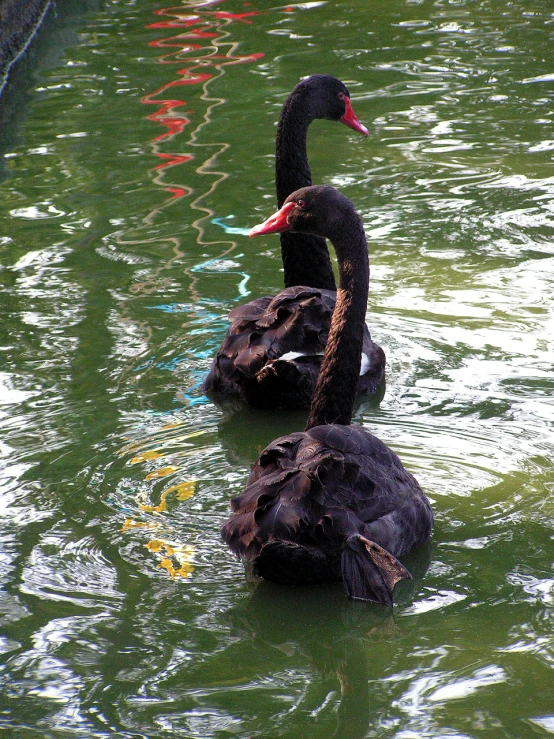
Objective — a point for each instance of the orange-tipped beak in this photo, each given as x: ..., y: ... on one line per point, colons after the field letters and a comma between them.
x: 350, y: 119
x: 277, y: 223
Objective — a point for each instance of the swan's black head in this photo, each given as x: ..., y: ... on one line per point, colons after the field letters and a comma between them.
x: 320, y: 209
x: 327, y: 97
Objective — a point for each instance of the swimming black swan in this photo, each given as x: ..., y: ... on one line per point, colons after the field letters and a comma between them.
x: 273, y: 350
x: 332, y: 502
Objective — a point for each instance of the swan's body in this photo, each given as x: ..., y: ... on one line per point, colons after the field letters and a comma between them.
x: 272, y: 352
x: 274, y: 348
x: 332, y: 502
x: 317, y: 502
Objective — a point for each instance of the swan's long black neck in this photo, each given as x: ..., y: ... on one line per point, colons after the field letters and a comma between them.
x: 335, y: 391
x: 306, y: 259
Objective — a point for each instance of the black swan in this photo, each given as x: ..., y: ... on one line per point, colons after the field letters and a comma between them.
x: 273, y: 349
x: 331, y: 502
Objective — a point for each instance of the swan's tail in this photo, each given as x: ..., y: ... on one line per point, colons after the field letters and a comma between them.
x: 370, y: 572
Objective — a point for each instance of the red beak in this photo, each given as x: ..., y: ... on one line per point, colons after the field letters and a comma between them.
x: 277, y: 223
x: 350, y: 119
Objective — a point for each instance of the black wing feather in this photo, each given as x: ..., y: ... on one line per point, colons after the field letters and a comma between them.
x: 248, y: 364
x: 338, y: 503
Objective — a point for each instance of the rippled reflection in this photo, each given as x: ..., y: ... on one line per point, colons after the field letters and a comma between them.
x: 146, y: 154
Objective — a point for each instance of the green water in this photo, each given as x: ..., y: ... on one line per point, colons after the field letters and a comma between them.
x: 122, y: 614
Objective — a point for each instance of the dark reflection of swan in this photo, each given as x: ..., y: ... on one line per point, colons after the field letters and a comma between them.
x: 244, y: 431
x: 333, y: 635
x: 243, y: 435
x: 313, y: 632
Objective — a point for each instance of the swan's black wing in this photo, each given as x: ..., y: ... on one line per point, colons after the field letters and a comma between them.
x: 272, y: 353
x: 333, y: 502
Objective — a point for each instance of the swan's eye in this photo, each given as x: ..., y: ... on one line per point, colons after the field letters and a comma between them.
x: 342, y: 96
x: 300, y: 203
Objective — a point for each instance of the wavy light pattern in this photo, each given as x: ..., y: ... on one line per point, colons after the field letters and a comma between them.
x: 210, y: 27
x: 204, y: 42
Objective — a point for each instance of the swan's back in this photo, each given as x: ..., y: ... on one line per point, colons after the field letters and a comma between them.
x: 293, y: 324
x: 273, y: 350
x: 319, y: 487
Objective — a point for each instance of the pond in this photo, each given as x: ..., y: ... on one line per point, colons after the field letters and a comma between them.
x: 141, y: 152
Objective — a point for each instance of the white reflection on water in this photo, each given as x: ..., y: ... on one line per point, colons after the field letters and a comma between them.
x: 438, y: 600
x: 432, y: 686
x: 545, y: 722
x: 539, y: 589
x: 462, y: 688
x: 62, y: 569
x: 10, y: 395
x: 37, y: 212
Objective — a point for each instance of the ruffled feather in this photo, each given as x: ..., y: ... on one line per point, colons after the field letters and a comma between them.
x: 340, y: 502
x: 249, y: 363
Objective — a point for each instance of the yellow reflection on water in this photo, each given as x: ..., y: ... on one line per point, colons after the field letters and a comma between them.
x: 183, y: 491
x: 155, y: 453
x: 144, y: 456
x: 176, y: 559
x: 130, y: 523
x: 162, y: 472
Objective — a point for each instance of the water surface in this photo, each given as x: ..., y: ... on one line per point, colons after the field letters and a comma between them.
x: 136, y: 161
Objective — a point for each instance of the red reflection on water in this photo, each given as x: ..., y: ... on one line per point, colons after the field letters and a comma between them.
x: 198, y: 25
x: 236, y: 16
x: 173, y: 159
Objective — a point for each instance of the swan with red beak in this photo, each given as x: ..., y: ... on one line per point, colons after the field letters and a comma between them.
x: 272, y: 353
x: 332, y: 502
